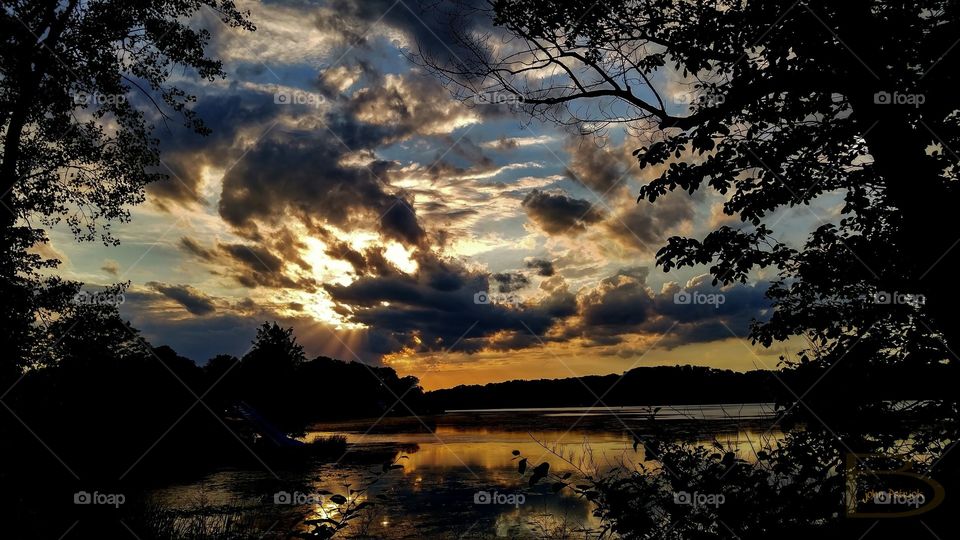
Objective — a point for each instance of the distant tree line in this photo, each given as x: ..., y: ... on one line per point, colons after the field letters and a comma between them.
x: 694, y: 385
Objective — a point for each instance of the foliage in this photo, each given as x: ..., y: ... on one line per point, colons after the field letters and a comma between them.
x: 82, y: 87
x: 791, y: 487
x: 351, y: 506
x: 78, y: 142
x: 789, y: 103
x: 842, y: 103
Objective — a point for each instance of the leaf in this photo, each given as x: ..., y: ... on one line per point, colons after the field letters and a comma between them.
x: 522, y: 465
x: 516, y: 452
x: 567, y: 475
x: 557, y: 486
x: 539, y: 472
x: 338, y: 499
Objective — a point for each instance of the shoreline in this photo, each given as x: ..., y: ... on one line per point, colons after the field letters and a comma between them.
x: 520, y: 421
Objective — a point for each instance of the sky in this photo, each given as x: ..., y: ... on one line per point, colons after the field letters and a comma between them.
x: 345, y: 192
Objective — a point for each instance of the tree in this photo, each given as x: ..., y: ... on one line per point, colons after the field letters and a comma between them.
x: 276, y: 347
x: 268, y: 375
x: 788, y: 103
x: 80, y: 86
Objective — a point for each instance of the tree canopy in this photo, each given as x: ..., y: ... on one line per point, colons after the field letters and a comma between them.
x: 784, y: 103
x: 83, y: 87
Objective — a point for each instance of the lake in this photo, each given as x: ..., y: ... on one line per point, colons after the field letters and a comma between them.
x: 456, y: 476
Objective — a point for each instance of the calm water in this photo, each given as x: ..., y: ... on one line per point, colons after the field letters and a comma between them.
x: 446, y: 474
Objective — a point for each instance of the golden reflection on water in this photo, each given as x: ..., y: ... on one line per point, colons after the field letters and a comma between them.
x: 444, y: 469
x: 450, y: 447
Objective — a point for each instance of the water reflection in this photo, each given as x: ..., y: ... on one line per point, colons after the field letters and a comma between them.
x: 436, y: 492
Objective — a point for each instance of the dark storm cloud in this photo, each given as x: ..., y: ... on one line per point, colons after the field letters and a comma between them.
x: 644, y: 226
x: 600, y: 169
x: 624, y: 304
x: 543, y: 267
x: 557, y: 213
x: 370, y: 262
x: 185, y: 154
x: 344, y: 252
x: 194, y: 248
x: 191, y: 299
x: 440, y: 302
x: 315, y: 182
x: 402, y: 105
x: 620, y: 302
x: 254, y: 257
x: 251, y: 265
x: 431, y: 25
x: 510, y: 281
x: 315, y: 185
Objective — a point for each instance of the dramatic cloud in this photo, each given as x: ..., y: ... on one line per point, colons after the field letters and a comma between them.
x: 600, y: 169
x: 557, y: 213
x: 345, y: 192
x: 408, y: 104
x: 543, y: 267
x: 508, y: 282
x: 644, y: 226
x: 191, y: 299
x: 624, y: 304
x: 442, y: 304
x: 250, y: 265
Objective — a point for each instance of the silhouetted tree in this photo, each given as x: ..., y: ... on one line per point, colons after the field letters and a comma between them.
x: 789, y: 102
x: 78, y: 81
